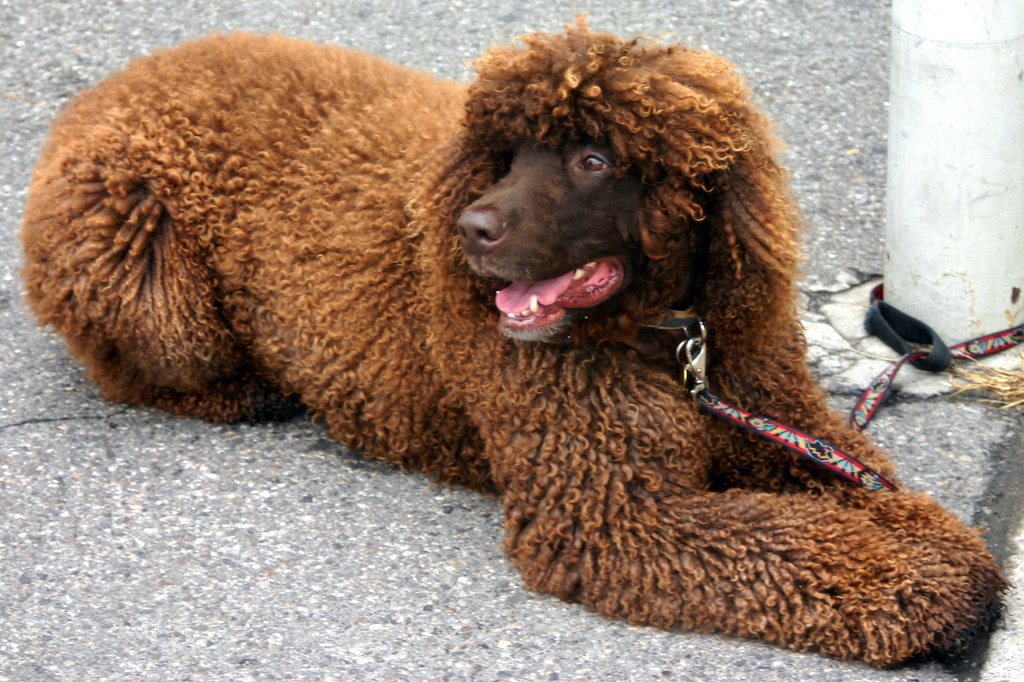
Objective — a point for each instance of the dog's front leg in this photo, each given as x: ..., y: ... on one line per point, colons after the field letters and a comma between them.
x: 607, y: 504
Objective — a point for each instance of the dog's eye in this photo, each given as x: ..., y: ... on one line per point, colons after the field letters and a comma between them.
x: 593, y: 162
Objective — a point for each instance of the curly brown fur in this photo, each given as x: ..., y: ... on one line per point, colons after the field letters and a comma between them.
x: 245, y: 218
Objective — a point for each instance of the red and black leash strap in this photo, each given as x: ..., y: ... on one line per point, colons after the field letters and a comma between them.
x: 896, y: 329
x: 692, y: 354
x: 815, y: 449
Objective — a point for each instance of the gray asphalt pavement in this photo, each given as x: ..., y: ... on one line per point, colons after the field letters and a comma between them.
x: 135, y: 546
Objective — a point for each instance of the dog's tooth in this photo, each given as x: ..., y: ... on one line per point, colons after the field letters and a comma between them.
x: 534, y: 304
x: 579, y: 273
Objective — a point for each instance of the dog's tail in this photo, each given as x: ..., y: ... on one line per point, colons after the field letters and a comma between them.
x: 127, y: 284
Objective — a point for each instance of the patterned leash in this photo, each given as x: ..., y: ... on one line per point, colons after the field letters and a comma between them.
x: 692, y: 354
x: 898, y: 330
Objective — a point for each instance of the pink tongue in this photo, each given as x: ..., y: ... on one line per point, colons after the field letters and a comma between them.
x: 516, y: 298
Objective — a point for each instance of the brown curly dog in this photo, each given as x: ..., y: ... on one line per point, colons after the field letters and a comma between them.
x: 246, y: 220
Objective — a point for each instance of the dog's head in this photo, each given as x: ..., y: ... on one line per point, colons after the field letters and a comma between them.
x: 598, y: 182
x: 559, y: 227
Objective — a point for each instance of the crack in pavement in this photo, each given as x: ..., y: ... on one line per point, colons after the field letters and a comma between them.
x: 54, y: 420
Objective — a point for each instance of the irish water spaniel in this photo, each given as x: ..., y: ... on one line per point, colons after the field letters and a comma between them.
x: 244, y: 223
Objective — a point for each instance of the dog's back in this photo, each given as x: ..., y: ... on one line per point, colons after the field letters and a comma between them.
x: 160, y: 234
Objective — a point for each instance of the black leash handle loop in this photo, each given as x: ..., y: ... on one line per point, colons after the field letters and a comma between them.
x: 898, y: 330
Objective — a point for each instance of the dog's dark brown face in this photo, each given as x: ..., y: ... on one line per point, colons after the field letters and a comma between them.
x: 559, y: 227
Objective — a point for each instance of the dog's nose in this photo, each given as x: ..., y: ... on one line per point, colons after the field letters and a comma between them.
x: 482, y: 229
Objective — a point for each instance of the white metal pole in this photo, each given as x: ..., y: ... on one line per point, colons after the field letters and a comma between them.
x: 955, y: 205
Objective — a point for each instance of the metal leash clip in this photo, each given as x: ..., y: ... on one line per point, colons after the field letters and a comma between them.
x: 692, y: 354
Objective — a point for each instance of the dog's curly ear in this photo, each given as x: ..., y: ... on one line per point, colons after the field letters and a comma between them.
x: 752, y: 246
x: 719, y: 202
x: 758, y: 218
